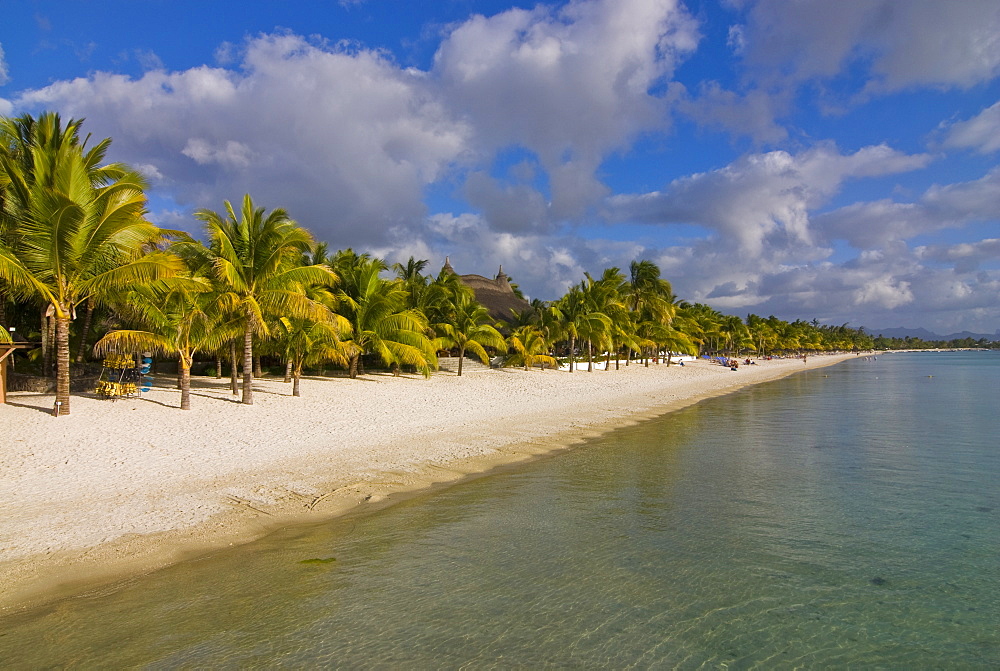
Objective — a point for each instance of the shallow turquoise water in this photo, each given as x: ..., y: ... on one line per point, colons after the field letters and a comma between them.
x: 848, y: 516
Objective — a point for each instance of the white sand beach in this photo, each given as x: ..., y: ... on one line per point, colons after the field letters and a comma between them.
x: 124, y: 487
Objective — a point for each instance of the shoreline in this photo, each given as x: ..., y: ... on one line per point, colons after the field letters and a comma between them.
x: 120, y: 489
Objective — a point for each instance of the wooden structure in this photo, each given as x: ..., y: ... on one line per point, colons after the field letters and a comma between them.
x: 6, y: 349
x: 495, y: 295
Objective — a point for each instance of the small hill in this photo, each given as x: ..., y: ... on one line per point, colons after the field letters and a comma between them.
x: 924, y: 334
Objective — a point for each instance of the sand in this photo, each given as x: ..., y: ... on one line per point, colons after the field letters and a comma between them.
x: 120, y: 488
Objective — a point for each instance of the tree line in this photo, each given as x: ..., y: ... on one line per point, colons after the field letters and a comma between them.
x: 83, y: 271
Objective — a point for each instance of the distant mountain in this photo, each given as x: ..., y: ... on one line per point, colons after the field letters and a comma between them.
x: 924, y: 334
x: 974, y: 336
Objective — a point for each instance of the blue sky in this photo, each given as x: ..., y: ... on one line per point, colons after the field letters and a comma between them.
x: 835, y: 161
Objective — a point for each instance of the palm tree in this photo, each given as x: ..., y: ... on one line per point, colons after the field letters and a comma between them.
x: 736, y: 335
x: 437, y: 302
x: 82, y: 230
x: 579, y: 319
x: 467, y: 330
x: 177, y: 315
x: 256, y: 261
x: 380, y: 322
x: 530, y: 347
x: 653, y: 304
x: 310, y: 342
x: 411, y: 277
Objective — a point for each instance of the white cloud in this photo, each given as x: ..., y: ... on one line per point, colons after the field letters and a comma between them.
x: 148, y: 59
x: 885, y: 292
x: 513, y: 207
x: 345, y: 141
x: 752, y: 114
x: 149, y: 171
x: 350, y: 142
x: 876, y: 223
x: 4, y: 72
x: 230, y: 154
x: 899, y: 44
x: 964, y: 257
x: 981, y: 133
x: 761, y: 199
x: 570, y: 84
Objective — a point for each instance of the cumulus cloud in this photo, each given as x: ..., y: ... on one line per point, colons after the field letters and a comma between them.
x: 350, y: 143
x: 980, y: 133
x: 751, y: 114
x: 569, y: 84
x: 871, y: 224
x: 898, y: 44
x: 763, y: 247
x: 231, y: 154
x: 512, y: 207
x: 963, y: 257
x: 346, y: 141
x: 4, y: 72
x: 761, y: 199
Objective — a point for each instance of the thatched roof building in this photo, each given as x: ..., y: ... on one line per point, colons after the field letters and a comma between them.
x: 496, y: 295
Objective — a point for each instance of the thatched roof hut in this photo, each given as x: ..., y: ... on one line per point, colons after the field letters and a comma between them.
x: 496, y: 295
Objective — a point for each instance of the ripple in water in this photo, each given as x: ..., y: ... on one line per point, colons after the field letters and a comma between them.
x: 830, y: 519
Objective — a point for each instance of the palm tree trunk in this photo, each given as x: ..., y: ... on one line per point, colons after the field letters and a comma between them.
x: 233, y: 369
x: 218, y: 366
x: 572, y: 353
x: 590, y: 356
x: 296, y: 376
x: 248, y: 364
x: 461, y: 358
x: 607, y: 361
x: 354, y: 366
x: 288, y: 371
x: 184, y: 363
x: 86, y: 330
x: 62, y: 361
x: 46, y: 342
x: 258, y: 372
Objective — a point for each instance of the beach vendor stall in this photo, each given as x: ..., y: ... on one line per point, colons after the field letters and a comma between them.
x: 121, y: 377
x: 6, y: 350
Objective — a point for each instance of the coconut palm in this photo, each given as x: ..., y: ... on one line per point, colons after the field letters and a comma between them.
x: 380, y: 322
x: 467, y: 330
x: 579, y: 319
x: 411, y: 277
x: 652, y: 302
x: 179, y: 321
x: 437, y: 302
x: 309, y: 342
x: 256, y: 262
x: 529, y: 347
x: 81, y: 229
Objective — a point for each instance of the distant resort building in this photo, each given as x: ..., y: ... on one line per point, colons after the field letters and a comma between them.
x: 496, y: 295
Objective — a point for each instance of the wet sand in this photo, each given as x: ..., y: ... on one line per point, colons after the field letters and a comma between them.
x: 120, y: 488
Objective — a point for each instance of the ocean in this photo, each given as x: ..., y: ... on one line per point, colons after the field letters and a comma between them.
x: 844, y: 516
